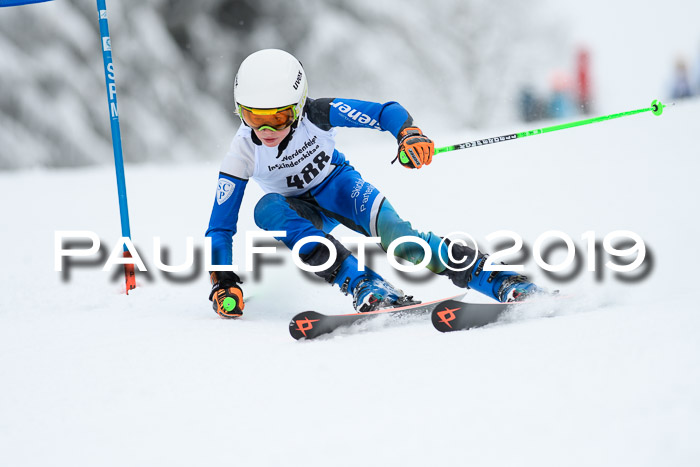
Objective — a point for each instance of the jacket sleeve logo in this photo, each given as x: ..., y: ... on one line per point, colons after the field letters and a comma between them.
x: 224, y: 190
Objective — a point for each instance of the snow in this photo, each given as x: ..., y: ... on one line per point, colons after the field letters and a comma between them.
x: 94, y: 377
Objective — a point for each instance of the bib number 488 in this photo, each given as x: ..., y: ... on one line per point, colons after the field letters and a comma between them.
x: 309, y: 171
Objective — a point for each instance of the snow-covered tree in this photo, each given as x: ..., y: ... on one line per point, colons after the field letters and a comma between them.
x: 175, y: 61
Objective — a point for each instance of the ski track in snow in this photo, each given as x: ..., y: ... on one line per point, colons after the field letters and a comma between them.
x: 94, y: 377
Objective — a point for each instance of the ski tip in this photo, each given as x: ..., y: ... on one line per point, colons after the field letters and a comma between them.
x: 303, y: 325
x: 444, y: 315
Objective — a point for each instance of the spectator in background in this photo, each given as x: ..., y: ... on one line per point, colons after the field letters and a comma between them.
x: 681, y: 82
x: 583, y: 81
x: 532, y: 107
x: 697, y: 75
x: 569, y: 95
x: 561, y: 103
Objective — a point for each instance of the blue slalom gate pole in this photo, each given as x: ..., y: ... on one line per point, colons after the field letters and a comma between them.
x: 116, y: 137
x: 20, y: 2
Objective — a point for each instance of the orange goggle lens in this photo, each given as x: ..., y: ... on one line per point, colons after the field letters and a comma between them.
x: 272, y: 119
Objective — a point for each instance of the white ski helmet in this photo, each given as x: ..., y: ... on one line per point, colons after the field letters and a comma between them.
x: 270, y: 79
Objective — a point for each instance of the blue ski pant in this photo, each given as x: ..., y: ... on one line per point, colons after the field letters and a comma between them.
x: 345, y: 198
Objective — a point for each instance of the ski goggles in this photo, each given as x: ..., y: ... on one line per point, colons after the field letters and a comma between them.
x: 268, y: 119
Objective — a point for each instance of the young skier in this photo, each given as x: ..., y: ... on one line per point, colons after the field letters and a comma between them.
x: 287, y: 145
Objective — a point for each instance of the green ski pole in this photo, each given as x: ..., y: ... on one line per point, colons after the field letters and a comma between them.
x: 656, y: 108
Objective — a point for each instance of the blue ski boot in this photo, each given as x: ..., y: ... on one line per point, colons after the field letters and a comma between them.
x: 369, y: 291
x: 374, y: 293
x: 504, y: 286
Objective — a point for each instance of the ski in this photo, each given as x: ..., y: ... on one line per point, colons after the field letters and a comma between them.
x: 311, y: 324
x: 453, y: 315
